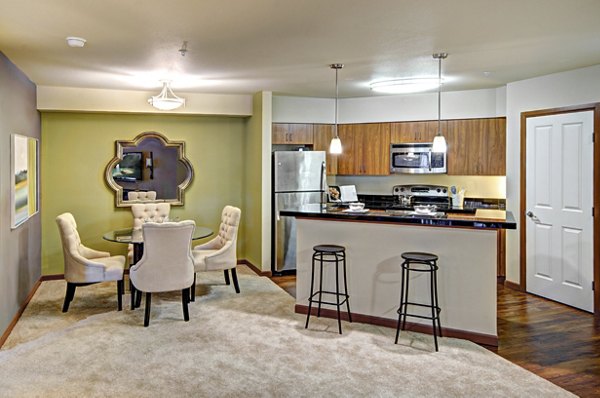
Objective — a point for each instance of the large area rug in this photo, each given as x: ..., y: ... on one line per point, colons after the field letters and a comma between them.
x: 249, y: 344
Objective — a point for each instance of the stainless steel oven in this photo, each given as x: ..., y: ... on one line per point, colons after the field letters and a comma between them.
x: 416, y: 158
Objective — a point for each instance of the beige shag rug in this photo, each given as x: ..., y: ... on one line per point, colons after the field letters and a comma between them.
x: 249, y: 344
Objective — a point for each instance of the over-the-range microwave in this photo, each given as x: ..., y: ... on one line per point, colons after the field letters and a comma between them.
x: 416, y: 158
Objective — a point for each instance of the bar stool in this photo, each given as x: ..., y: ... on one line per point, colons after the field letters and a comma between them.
x: 328, y: 254
x: 419, y: 262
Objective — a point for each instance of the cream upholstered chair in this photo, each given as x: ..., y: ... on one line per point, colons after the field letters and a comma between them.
x: 220, y: 253
x: 166, y: 264
x: 84, y: 266
x: 142, y: 196
x: 142, y: 212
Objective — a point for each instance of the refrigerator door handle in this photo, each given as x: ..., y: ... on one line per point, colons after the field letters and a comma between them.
x: 276, y: 211
x: 322, y: 185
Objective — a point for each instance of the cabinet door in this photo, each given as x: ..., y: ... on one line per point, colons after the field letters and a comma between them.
x: 346, y: 161
x: 292, y: 133
x: 322, y: 135
x: 372, y: 149
x: 409, y: 132
x: 477, y: 147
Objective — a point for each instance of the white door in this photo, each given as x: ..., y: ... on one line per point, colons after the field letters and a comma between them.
x: 559, y: 208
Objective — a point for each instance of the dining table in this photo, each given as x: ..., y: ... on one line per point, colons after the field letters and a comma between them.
x: 135, y: 237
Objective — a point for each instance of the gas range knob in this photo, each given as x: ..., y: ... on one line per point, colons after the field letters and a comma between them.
x: 445, y: 190
x: 438, y: 190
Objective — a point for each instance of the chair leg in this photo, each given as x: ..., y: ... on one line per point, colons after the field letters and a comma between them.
x: 120, y: 289
x: 226, y: 273
x: 235, y: 280
x: 132, y: 290
x: 138, y: 299
x: 147, y: 312
x: 193, y: 292
x: 184, y: 301
x: 69, y: 296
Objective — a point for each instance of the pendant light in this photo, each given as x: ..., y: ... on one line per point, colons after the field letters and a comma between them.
x: 166, y: 100
x: 335, y: 147
x: 439, y: 142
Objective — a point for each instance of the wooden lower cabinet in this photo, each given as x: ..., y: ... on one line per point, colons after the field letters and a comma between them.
x: 366, y: 149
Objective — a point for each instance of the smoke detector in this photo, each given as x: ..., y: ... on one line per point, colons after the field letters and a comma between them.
x: 76, y: 42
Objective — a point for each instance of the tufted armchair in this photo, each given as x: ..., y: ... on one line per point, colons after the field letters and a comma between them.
x: 142, y: 196
x: 85, y: 266
x: 154, y: 212
x: 166, y: 264
x: 220, y: 253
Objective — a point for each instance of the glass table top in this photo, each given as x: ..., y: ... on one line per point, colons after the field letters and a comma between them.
x: 129, y: 235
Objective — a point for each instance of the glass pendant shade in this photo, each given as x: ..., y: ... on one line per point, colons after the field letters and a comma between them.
x: 166, y: 100
x: 439, y: 144
x: 335, y: 147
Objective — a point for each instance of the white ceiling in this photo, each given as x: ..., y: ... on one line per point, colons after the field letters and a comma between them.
x: 285, y: 46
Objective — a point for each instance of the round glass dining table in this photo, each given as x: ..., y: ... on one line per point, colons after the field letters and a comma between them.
x: 129, y: 235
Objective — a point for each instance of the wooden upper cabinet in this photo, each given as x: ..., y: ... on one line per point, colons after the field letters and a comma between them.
x: 366, y: 149
x: 322, y: 135
x: 292, y: 133
x: 477, y: 146
x: 409, y: 132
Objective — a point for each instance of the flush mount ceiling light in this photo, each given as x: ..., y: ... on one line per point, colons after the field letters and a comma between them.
x: 76, y: 42
x: 335, y: 147
x: 439, y: 142
x: 166, y: 100
x: 404, y: 86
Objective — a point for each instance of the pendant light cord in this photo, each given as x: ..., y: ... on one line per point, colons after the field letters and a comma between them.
x: 336, y: 101
x: 440, y: 95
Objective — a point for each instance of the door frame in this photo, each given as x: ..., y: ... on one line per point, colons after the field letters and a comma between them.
x: 595, y: 107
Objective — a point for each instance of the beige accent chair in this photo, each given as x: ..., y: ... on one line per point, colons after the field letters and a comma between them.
x: 142, y: 196
x: 220, y: 253
x: 85, y: 266
x: 142, y: 212
x: 166, y: 264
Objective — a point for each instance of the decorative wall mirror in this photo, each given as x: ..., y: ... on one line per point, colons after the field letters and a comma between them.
x: 149, y: 164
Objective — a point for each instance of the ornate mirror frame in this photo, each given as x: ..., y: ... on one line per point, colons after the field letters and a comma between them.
x: 121, y: 144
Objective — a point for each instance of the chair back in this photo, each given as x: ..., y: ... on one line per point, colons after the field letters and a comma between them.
x: 142, y: 196
x: 67, y: 228
x: 167, y: 262
x: 153, y: 212
x: 230, y: 222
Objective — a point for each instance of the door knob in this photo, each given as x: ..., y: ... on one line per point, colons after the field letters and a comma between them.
x: 532, y: 216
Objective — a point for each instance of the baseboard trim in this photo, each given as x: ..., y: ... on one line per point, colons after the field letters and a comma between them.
x: 53, y: 277
x: 17, y: 316
x: 513, y: 286
x: 479, y: 338
x: 254, y: 268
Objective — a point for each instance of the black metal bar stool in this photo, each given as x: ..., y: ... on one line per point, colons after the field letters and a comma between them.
x: 419, y: 262
x: 329, y: 254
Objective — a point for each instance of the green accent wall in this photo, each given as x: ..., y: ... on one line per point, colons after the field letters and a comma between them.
x: 253, y: 183
x: 75, y: 148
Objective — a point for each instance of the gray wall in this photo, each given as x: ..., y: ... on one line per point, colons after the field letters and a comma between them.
x: 20, y: 249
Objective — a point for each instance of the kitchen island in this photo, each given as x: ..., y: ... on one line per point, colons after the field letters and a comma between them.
x: 374, y: 240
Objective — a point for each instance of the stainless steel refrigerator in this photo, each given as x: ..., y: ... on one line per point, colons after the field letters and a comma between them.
x: 298, y: 181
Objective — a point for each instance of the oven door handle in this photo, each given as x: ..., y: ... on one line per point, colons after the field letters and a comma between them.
x: 429, y: 158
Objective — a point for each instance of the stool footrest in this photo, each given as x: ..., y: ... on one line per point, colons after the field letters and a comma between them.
x: 406, y: 313
x: 313, y: 300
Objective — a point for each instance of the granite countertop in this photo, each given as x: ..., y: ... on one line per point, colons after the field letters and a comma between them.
x: 483, y: 218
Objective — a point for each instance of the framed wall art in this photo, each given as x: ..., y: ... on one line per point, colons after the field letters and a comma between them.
x: 24, y: 179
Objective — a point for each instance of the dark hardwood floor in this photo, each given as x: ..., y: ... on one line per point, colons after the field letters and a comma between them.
x: 554, y: 341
